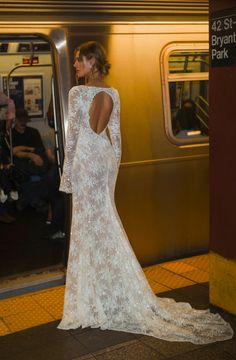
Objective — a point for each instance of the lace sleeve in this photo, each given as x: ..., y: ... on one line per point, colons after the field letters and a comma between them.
x: 114, y: 129
x: 71, y: 140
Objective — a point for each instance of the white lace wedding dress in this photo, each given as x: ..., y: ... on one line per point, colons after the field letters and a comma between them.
x: 105, y: 285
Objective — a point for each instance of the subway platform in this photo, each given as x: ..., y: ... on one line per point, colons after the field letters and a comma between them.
x: 28, y: 323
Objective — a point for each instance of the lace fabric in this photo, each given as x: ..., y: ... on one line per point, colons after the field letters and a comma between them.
x: 105, y: 285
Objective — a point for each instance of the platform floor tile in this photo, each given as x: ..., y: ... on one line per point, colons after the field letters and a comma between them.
x: 49, y: 343
x: 29, y: 310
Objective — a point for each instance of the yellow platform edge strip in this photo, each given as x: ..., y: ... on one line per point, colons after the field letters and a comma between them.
x: 40, y: 307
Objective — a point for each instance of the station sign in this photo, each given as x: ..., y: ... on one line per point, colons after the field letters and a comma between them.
x: 223, y: 37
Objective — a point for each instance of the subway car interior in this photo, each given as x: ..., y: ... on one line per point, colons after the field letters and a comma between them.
x: 31, y: 237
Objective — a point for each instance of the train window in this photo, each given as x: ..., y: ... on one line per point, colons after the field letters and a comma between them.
x: 3, y: 47
x: 188, y: 62
x: 41, y: 47
x: 185, y: 90
x: 24, y: 47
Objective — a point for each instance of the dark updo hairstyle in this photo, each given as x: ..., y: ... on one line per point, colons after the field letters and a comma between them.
x: 93, y: 49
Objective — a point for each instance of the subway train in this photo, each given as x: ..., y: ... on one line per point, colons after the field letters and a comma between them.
x: 159, y: 63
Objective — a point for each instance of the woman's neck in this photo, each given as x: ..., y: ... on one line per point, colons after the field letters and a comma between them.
x: 96, y: 80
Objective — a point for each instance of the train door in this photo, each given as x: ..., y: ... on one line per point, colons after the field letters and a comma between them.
x: 32, y: 210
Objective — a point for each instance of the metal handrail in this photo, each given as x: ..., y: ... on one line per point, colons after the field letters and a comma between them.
x: 56, y: 127
x: 202, y: 121
x: 198, y: 99
x: 202, y: 110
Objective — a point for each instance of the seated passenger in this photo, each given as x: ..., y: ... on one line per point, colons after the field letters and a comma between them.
x: 186, y: 120
x: 27, y: 142
x: 7, y: 116
x: 7, y: 188
x: 30, y: 157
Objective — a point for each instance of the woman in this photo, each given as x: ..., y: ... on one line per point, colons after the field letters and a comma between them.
x: 105, y: 284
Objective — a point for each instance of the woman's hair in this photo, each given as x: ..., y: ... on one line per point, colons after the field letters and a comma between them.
x: 93, y: 49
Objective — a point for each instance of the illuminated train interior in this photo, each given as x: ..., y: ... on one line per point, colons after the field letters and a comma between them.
x: 28, y: 241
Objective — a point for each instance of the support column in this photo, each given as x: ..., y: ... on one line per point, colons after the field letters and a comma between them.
x: 223, y: 154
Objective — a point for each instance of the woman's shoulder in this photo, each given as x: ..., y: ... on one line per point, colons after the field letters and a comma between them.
x: 76, y: 89
x: 113, y: 91
x: 116, y: 94
x: 85, y: 88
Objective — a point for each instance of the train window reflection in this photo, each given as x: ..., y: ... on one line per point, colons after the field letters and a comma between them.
x: 187, y: 102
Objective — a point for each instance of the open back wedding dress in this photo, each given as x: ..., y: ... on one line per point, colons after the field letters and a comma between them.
x: 105, y: 285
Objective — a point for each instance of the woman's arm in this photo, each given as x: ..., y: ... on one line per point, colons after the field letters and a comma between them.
x: 114, y: 129
x: 71, y: 141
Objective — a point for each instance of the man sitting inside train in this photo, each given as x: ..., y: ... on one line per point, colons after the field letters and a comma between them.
x: 186, y: 122
x: 30, y: 158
